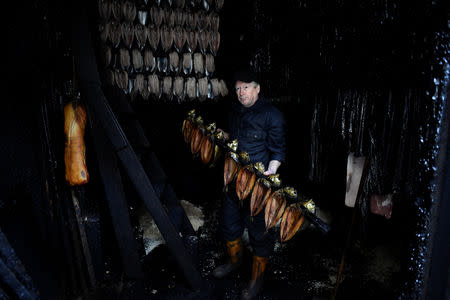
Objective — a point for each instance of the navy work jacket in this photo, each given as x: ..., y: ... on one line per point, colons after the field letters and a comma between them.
x: 260, y: 130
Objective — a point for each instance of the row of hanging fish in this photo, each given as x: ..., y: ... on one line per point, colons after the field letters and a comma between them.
x: 203, y: 141
x: 128, y: 10
x: 158, y: 16
x: 167, y: 87
x: 161, y: 39
x: 159, y: 50
x: 136, y: 61
x: 280, y: 205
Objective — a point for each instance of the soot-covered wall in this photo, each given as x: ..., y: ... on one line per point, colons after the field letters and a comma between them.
x: 350, y: 76
x: 365, y: 77
x: 368, y: 77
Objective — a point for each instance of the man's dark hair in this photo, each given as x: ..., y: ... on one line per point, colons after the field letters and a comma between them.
x: 245, y: 74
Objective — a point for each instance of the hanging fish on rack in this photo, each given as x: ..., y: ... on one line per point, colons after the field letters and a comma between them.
x: 203, y: 40
x: 167, y: 88
x: 122, y: 80
x: 170, y: 17
x: 137, y: 60
x: 262, y: 191
x: 138, y: 86
x: 124, y: 59
x: 178, y: 88
x: 245, y: 181
x: 246, y: 177
x: 191, y: 88
x: 214, y: 42
x: 149, y: 61
x: 188, y: 126
x: 199, y: 65
x: 104, y: 10
x: 202, y: 88
x: 274, y: 208
x: 115, y: 34
x: 180, y: 17
x: 174, y: 62
x: 207, y: 143
x: 127, y: 34
x: 290, y: 223
x: 128, y: 11
x: 197, y: 135
x: 156, y: 15
x: 166, y: 38
x: 210, y: 67
x: 204, y: 21
x: 116, y: 10
x: 187, y: 63
x: 218, y: 137
x: 190, y: 21
x: 232, y: 165
x: 191, y: 41
x: 154, y: 36
x: 179, y: 38
x: 214, y: 22
x: 196, y: 20
x: 140, y: 35
x: 292, y: 217
x: 153, y: 83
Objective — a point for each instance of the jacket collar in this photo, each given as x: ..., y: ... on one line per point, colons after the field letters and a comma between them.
x: 237, y: 106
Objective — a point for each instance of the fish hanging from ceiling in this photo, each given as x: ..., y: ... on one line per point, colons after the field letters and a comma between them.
x: 161, y: 38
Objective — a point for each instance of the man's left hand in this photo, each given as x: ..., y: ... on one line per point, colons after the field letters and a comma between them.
x: 273, y: 167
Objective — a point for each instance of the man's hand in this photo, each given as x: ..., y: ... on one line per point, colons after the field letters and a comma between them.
x: 226, y: 136
x: 273, y: 167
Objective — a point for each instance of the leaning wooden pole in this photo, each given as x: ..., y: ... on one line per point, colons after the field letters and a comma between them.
x: 90, y: 87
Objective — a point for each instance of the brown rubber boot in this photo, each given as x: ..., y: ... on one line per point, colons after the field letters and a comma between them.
x: 256, y: 283
x: 235, y: 251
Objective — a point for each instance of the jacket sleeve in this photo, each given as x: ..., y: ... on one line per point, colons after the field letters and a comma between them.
x: 276, y: 139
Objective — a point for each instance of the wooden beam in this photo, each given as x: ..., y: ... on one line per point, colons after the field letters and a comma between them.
x: 90, y: 88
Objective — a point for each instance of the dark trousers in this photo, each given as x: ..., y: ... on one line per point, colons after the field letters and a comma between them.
x: 235, y: 218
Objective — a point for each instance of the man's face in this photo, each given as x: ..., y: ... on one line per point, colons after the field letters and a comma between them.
x: 247, y: 92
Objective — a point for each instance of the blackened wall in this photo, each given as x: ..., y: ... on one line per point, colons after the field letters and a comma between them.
x: 350, y: 76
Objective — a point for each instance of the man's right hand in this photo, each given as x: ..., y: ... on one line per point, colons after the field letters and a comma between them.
x: 226, y: 136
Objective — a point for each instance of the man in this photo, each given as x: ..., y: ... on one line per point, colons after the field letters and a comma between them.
x: 259, y: 128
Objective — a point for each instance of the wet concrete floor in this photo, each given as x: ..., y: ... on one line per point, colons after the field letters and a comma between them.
x: 306, y: 267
